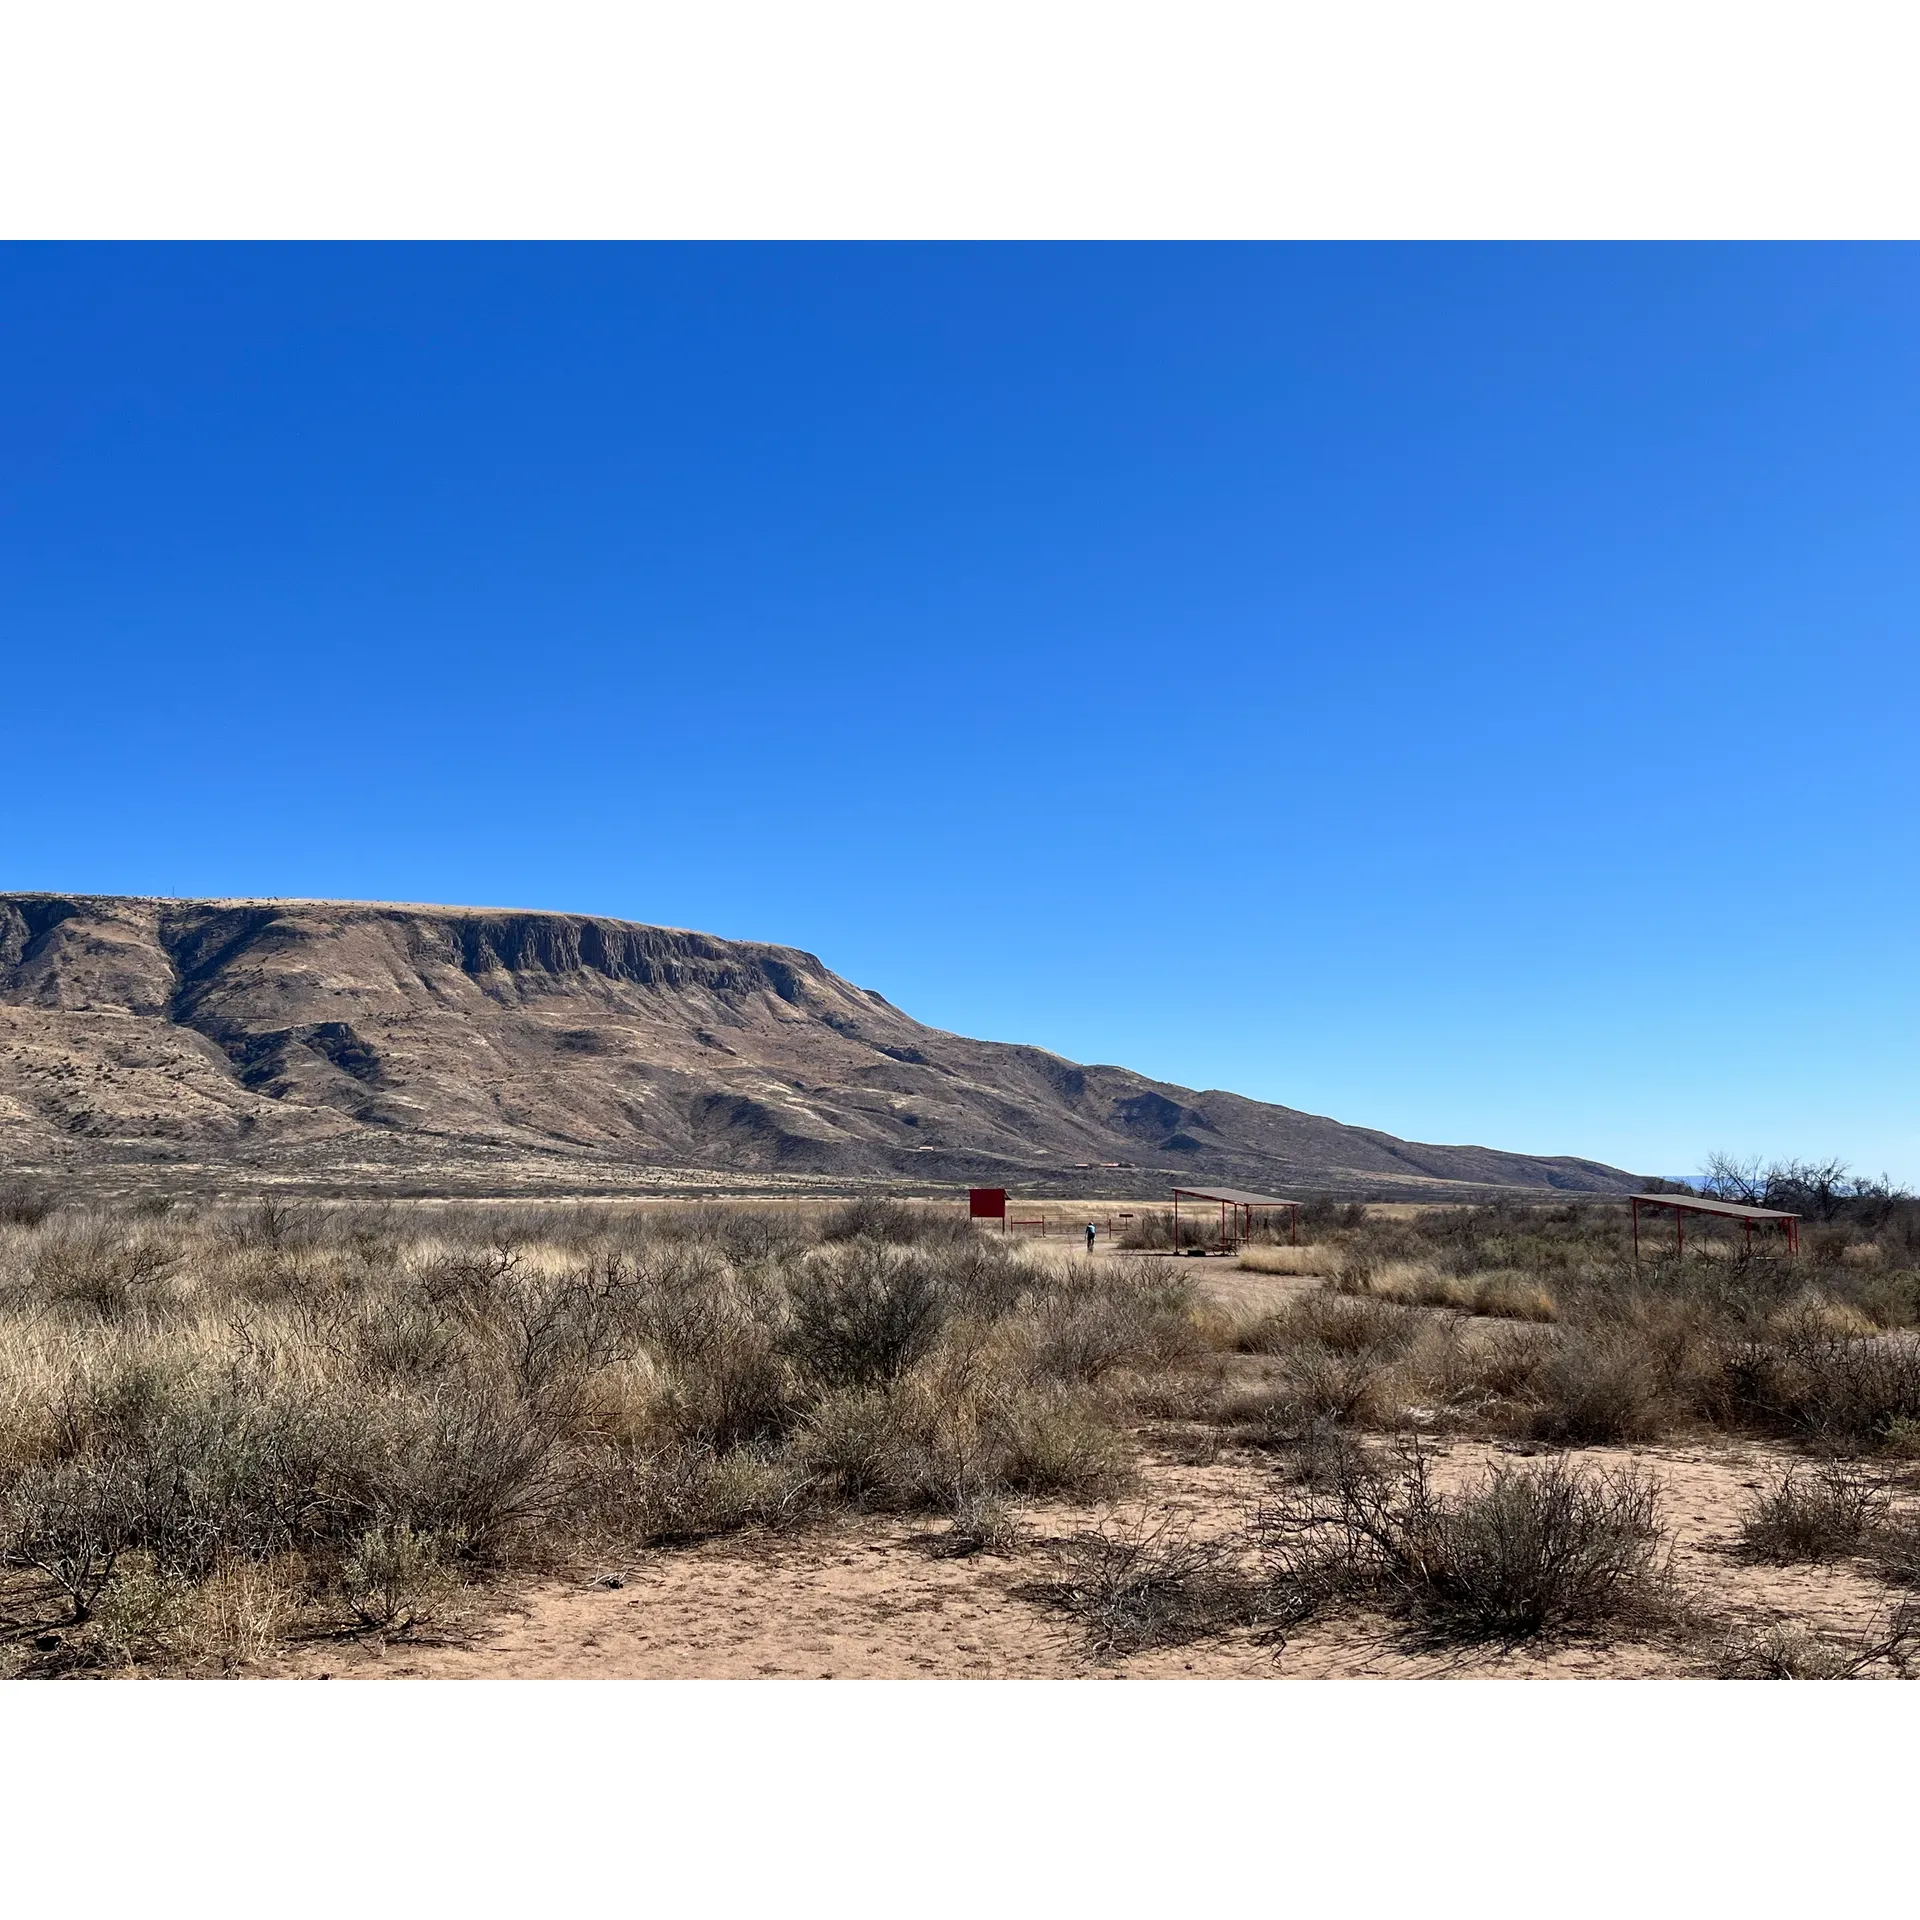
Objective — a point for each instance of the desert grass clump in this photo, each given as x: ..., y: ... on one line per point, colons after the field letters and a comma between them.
x: 1890, y: 1299
x: 1331, y: 1321
x: 1499, y: 1294
x: 1824, y: 1512
x: 1054, y: 1443
x: 980, y: 1522
x: 691, y: 1491
x: 1285, y: 1259
x: 950, y: 1435
x: 1510, y: 1296
x: 1473, y: 1375
x: 1335, y: 1360
x: 396, y: 1579
x: 1519, y: 1553
x: 242, y: 1614
x: 237, y: 1618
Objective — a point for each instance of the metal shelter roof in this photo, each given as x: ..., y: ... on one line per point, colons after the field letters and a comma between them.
x: 1726, y: 1208
x: 1234, y: 1197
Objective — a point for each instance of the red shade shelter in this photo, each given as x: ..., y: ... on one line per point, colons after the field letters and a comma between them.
x: 1680, y: 1205
x: 1236, y: 1207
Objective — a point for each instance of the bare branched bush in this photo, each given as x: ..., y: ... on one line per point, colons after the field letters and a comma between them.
x: 897, y: 1222
x: 24, y: 1203
x: 1599, y: 1387
x: 100, y: 1266
x: 1147, y: 1583
x: 1784, y: 1651
x: 1824, y: 1512
x: 1520, y: 1552
x: 1845, y: 1390
x: 1893, y: 1546
x: 72, y: 1521
x: 274, y: 1224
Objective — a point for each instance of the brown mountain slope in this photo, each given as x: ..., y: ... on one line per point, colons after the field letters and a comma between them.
x: 450, y: 1049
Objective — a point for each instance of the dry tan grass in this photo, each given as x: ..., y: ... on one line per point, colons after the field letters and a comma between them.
x: 1291, y: 1260
x: 216, y: 1427
x: 1814, y: 1313
x: 1504, y: 1295
x: 245, y: 1610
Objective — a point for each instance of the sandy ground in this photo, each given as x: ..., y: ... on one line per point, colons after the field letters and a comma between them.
x: 868, y: 1600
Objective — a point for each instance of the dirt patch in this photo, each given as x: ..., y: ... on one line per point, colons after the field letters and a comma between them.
x: 868, y: 1600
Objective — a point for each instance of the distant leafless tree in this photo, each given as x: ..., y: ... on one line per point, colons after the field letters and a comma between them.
x: 1815, y: 1189
x: 1741, y: 1181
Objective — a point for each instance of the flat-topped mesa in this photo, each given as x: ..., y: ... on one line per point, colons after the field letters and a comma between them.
x: 480, y: 940
x: 476, y: 1048
x: 200, y: 938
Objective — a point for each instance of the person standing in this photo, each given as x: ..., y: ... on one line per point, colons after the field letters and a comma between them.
x: 1089, y: 1236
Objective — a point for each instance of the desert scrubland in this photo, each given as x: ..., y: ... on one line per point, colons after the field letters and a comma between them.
x: 868, y: 1438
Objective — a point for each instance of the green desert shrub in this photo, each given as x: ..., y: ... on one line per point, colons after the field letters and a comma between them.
x: 862, y: 1315
x: 393, y: 1578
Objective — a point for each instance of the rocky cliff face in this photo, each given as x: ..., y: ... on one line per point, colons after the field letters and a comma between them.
x: 347, y: 1044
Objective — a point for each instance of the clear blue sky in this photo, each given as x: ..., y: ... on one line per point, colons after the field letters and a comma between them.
x: 1470, y: 692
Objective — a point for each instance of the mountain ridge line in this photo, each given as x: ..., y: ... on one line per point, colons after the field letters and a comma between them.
x: 382, y: 1046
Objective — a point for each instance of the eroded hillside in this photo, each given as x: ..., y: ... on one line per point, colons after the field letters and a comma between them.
x: 464, y: 1050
